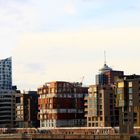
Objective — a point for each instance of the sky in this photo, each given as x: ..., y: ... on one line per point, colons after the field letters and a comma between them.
x: 64, y: 40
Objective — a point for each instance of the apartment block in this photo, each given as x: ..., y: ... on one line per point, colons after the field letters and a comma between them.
x: 61, y: 104
x: 7, y: 108
x: 100, y: 106
x: 26, y: 109
x: 128, y: 102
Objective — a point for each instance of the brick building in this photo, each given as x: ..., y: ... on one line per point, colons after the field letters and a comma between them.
x: 61, y: 104
x: 100, y: 107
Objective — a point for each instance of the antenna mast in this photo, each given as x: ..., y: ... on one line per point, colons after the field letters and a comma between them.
x: 104, y: 57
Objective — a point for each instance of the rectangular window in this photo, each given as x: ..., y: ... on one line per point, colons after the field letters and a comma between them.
x: 100, y: 112
x: 130, y: 103
x: 101, y: 118
x: 89, y: 124
x: 130, y: 96
x: 119, y: 90
x: 120, y: 84
x: 130, y: 84
x: 89, y: 118
x: 130, y: 90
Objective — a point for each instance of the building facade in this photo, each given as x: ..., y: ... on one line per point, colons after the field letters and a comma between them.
x: 100, y: 107
x: 128, y: 102
x: 6, y: 73
x: 26, y: 109
x: 7, y: 94
x: 107, y: 76
x: 61, y: 104
x: 7, y: 108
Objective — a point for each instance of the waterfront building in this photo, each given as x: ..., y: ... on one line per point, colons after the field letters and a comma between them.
x: 61, y: 104
x: 7, y: 94
x: 128, y: 102
x: 26, y: 109
x: 7, y: 108
x: 108, y: 76
x: 6, y: 74
x: 100, y: 108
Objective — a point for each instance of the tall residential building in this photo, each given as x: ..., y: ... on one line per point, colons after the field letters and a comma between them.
x: 100, y: 103
x: 128, y: 102
x: 7, y: 94
x: 61, y: 104
x: 6, y: 73
x: 26, y: 109
x: 100, y: 106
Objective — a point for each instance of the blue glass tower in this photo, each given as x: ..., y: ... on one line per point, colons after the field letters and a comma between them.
x: 6, y: 73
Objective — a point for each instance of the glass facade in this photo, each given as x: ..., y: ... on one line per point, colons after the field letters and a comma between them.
x: 6, y: 73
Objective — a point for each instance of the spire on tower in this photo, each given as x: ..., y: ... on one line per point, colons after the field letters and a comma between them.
x: 104, y: 57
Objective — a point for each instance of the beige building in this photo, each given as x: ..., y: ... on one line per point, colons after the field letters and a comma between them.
x: 100, y: 106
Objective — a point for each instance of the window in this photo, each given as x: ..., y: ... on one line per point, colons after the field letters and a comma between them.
x: 119, y: 90
x: 101, y: 118
x: 130, y: 96
x: 130, y: 102
x: 89, y: 124
x: 130, y: 90
x: 100, y: 112
x: 90, y: 103
x: 89, y: 118
x: 130, y: 84
x: 121, y: 84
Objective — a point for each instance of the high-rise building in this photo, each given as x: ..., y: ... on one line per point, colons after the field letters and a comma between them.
x: 7, y: 95
x: 107, y: 76
x: 100, y: 103
x: 128, y: 102
x: 100, y: 106
x: 61, y: 104
x: 6, y: 73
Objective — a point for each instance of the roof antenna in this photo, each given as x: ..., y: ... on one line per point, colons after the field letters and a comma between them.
x: 104, y: 57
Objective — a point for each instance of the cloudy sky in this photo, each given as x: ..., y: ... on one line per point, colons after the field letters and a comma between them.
x: 65, y: 39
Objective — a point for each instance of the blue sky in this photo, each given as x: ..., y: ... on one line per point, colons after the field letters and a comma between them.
x: 65, y: 39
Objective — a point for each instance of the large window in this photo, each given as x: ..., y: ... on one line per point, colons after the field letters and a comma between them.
x: 119, y: 90
x: 120, y: 84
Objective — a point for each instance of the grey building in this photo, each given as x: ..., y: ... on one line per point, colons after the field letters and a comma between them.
x: 7, y: 94
x: 6, y: 73
x: 7, y: 108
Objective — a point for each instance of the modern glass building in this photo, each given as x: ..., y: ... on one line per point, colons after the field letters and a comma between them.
x: 6, y: 73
